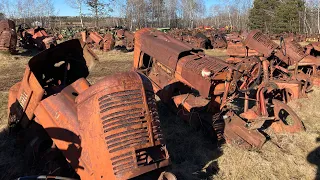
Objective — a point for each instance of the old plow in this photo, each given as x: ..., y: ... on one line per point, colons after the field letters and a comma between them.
x: 239, y: 103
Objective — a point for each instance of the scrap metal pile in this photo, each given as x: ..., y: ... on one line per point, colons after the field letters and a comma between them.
x: 205, y: 90
x: 8, y: 36
x: 113, y: 39
x: 111, y: 129
x: 205, y: 39
x: 35, y: 37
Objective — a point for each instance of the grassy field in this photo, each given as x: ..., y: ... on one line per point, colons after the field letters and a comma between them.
x: 194, y: 156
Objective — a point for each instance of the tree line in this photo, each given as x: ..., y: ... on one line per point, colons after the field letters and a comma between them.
x: 292, y: 16
x: 270, y: 16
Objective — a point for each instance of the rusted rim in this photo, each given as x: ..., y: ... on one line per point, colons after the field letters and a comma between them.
x: 287, y: 118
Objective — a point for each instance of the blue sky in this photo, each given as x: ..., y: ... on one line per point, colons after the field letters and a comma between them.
x: 65, y: 10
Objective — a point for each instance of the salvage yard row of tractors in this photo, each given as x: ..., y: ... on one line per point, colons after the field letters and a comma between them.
x: 111, y: 129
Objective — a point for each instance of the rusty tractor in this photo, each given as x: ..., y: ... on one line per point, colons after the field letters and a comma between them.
x: 35, y: 37
x: 286, y: 62
x: 288, y: 57
x: 124, y: 38
x: 108, y: 130
x: 8, y: 36
x: 218, y: 41
x: 203, y: 90
x: 105, y: 43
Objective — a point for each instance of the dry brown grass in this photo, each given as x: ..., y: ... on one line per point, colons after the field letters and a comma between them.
x: 109, y: 63
x: 286, y: 156
x: 194, y: 156
x: 219, y: 53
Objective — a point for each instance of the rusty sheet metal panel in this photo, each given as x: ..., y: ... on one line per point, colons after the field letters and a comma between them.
x: 95, y: 37
x: 120, y: 34
x: 129, y: 40
x: 296, y: 124
x: 27, y: 98
x: 8, y: 35
x: 218, y: 41
x: 163, y: 48
x: 108, y: 42
x: 161, y: 75
x: 294, y: 52
x: 293, y: 87
x: 43, y: 77
x: 191, y: 70
x: 58, y: 116
x: 235, y: 132
x: 309, y: 61
x: 123, y: 138
x: 258, y: 41
x: 239, y: 50
x: 90, y: 57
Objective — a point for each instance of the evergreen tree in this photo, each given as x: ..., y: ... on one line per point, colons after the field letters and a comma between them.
x: 262, y: 14
x: 288, y: 16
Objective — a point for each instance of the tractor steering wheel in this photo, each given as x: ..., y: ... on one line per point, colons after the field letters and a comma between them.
x: 250, y: 71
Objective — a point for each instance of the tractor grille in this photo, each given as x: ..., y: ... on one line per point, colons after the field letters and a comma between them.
x: 125, y: 126
x: 256, y: 40
x: 156, y: 129
x: 297, y: 49
x: 5, y: 38
x: 265, y: 41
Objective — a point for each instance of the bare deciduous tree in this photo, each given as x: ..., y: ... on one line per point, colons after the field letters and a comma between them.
x: 99, y: 8
x: 77, y: 4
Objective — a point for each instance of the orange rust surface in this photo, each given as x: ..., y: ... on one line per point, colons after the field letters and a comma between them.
x: 110, y: 130
x: 8, y: 36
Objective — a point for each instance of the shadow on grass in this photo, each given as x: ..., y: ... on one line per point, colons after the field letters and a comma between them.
x: 11, y: 158
x: 314, y: 158
x: 30, y: 52
x: 20, y: 156
x: 193, y: 154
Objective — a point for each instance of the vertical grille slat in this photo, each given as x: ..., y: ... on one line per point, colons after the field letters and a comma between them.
x: 156, y: 130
